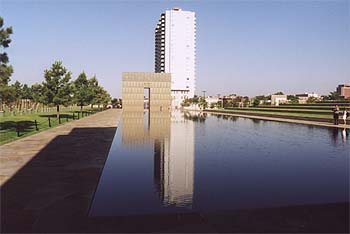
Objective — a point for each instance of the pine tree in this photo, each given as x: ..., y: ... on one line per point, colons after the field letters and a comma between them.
x: 6, y: 92
x: 83, y: 93
x: 57, y: 90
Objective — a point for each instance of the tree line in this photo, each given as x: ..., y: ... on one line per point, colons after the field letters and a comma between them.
x: 196, y: 100
x: 57, y: 89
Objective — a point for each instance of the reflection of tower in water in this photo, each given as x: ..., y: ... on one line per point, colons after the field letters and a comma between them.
x: 174, y: 163
x: 159, y: 151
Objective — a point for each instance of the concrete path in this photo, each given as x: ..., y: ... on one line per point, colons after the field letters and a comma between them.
x: 51, y: 176
x: 307, y: 122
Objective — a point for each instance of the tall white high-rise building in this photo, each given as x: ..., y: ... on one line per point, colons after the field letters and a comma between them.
x: 175, y: 51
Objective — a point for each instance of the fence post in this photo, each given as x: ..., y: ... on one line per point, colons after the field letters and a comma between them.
x: 73, y: 116
x: 36, y: 125
x: 49, y: 122
x: 17, y: 129
x: 59, y: 119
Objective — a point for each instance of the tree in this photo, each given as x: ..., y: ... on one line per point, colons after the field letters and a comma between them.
x: 279, y: 93
x: 246, y: 101
x: 256, y: 102
x: 260, y: 99
x: 186, y: 102
x: 115, y: 102
x: 230, y: 103
x: 6, y: 93
x: 36, y: 91
x: 219, y: 104
x: 102, y: 97
x: 17, y: 87
x: 293, y: 99
x: 195, y: 99
x: 57, y: 89
x: 202, y: 103
x: 311, y: 100
x: 27, y: 92
x: 83, y: 93
x: 334, y: 96
x: 93, y: 86
x: 27, y: 96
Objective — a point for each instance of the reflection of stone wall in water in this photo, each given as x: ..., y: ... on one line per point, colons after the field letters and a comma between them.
x: 133, y: 127
x: 140, y: 127
x: 134, y: 84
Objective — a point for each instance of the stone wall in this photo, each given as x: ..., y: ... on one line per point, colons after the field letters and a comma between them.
x: 133, y: 85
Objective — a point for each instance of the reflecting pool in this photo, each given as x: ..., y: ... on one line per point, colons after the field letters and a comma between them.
x: 162, y: 162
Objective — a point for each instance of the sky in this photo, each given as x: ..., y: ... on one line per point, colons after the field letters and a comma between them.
x: 243, y: 47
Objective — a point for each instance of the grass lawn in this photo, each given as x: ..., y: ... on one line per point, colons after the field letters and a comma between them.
x: 324, y: 107
x: 310, y: 111
x: 295, y: 110
x: 310, y: 115
x: 10, y: 125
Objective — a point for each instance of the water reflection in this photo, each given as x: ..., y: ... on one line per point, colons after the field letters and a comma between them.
x: 345, y: 134
x: 195, y: 116
x: 334, y: 132
x: 256, y: 121
x: 143, y: 126
x: 225, y: 117
x: 173, y: 137
x: 174, y: 162
x: 152, y: 168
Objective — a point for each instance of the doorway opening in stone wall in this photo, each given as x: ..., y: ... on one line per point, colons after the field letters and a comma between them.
x: 146, y: 106
x: 146, y: 98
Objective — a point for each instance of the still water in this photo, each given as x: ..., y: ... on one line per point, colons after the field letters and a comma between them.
x: 178, y: 162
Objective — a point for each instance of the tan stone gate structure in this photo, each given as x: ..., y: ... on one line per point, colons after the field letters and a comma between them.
x: 134, y: 84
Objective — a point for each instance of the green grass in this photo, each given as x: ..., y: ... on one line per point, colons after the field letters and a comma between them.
x: 312, y: 111
x: 304, y: 110
x: 26, y: 123
x: 297, y: 107
x: 310, y: 115
x: 302, y: 107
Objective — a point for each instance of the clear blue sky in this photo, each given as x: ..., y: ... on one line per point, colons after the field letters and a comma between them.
x: 243, y: 47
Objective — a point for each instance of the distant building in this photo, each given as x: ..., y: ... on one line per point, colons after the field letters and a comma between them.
x: 211, y: 99
x: 305, y: 96
x: 278, y: 99
x: 175, y: 52
x: 343, y: 90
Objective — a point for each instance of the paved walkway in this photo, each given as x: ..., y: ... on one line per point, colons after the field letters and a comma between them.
x: 48, y: 177
x: 307, y: 122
